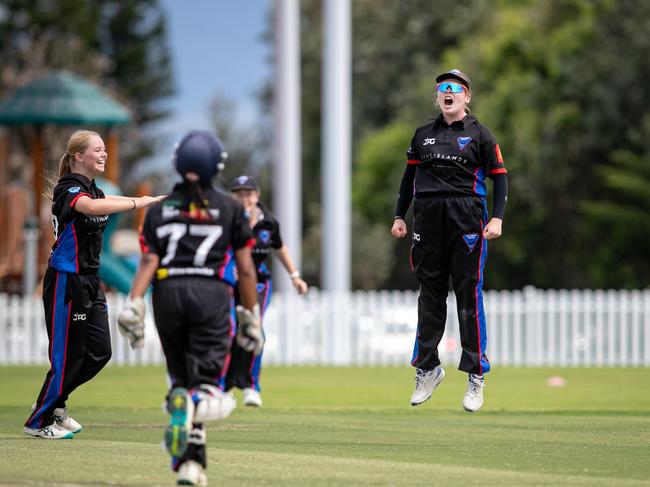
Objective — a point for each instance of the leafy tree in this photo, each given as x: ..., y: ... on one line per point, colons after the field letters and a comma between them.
x: 241, y: 141
x: 561, y: 83
x: 553, y: 85
x: 395, y: 45
x: 620, y: 217
x: 122, y: 46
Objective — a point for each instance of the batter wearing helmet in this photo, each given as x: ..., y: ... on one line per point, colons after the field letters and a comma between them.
x: 186, y: 242
x: 447, y: 163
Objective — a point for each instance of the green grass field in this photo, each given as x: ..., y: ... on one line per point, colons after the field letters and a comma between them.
x: 348, y: 426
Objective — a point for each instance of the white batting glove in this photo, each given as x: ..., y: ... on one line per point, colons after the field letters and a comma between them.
x: 131, y: 321
x: 249, y: 329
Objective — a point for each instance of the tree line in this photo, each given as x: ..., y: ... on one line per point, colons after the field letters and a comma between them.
x: 563, y: 84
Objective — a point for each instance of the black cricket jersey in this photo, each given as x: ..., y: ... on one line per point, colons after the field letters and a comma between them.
x: 195, y: 242
x: 267, y: 237
x: 454, y: 159
x: 78, y: 237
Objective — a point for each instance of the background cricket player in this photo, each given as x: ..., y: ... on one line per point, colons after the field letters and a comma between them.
x: 245, y: 368
x: 448, y: 162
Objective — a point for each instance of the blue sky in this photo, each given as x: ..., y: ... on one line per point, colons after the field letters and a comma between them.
x: 217, y: 48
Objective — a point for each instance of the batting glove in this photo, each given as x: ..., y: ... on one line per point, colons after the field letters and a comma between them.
x: 131, y: 322
x: 249, y: 329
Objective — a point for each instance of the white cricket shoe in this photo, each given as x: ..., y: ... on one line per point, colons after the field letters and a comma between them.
x: 63, y: 419
x: 51, y: 432
x: 252, y: 397
x: 191, y: 473
x: 425, y: 382
x: 473, y: 399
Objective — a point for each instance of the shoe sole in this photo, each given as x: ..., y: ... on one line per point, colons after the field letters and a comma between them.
x: 414, y: 404
x: 68, y: 436
x: 187, y: 482
x: 435, y: 384
x: 177, y: 433
x: 473, y: 410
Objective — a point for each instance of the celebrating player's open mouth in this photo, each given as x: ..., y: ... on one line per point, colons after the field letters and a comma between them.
x: 452, y: 98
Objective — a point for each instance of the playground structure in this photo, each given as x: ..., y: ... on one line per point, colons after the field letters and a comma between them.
x: 58, y: 98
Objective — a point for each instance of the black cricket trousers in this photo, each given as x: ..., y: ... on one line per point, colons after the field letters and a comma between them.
x: 448, y: 240
x: 195, y: 323
x: 76, y: 317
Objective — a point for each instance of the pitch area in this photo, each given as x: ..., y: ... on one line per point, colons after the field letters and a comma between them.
x: 348, y: 426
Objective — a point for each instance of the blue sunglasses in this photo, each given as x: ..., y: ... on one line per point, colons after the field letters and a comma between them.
x: 448, y: 85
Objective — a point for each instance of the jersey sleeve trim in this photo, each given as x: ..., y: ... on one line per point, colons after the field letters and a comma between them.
x: 413, y: 161
x: 500, y: 170
x: 74, y: 200
x: 250, y: 243
x: 498, y: 153
x: 144, y: 248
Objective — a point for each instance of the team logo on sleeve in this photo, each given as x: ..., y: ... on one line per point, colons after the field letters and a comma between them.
x: 265, y: 236
x: 470, y: 240
x: 463, y: 141
x: 74, y: 190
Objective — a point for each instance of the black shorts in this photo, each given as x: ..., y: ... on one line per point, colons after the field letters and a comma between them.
x: 194, y: 321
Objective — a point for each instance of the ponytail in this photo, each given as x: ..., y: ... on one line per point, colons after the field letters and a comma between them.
x: 65, y: 164
x: 198, y: 204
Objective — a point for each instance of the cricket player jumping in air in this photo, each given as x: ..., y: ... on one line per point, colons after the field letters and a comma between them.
x: 448, y: 162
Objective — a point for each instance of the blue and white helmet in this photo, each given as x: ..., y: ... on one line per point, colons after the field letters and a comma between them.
x: 200, y: 152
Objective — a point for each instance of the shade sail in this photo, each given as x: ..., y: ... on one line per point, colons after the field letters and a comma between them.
x: 64, y: 98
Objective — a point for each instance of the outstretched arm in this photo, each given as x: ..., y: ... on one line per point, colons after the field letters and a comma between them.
x: 114, y: 204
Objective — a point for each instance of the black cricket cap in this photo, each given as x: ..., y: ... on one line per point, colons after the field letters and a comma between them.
x: 456, y: 74
x: 244, y: 182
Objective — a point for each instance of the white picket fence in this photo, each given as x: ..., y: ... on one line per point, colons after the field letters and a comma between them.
x: 525, y: 328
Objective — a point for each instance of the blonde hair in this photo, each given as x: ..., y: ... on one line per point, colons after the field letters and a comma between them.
x: 78, y: 142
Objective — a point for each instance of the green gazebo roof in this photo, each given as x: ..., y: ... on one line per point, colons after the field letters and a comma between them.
x: 61, y: 98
